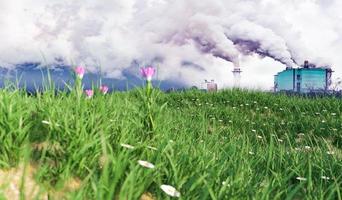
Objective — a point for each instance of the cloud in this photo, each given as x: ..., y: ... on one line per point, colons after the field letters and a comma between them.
x: 213, y: 35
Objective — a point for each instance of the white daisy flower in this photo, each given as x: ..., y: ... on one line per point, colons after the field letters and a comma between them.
x: 307, y: 147
x: 225, y: 183
x: 323, y: 121
x: 280, y: 140
x: 301, y: 178
x: 146, y: 164
x: 46, y: 122
x: 127, y: 146
x: 330, y: 152
x: 259, y: 136
x: 169, y: 190
x: 254, y: 130
x: 325, y: 177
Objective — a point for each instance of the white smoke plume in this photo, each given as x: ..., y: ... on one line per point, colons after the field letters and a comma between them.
x: 188, y: 40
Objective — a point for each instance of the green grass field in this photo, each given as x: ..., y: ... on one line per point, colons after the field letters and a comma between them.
x: 227, y: 145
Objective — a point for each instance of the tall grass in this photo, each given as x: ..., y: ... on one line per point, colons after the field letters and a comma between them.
x: 227, y: 145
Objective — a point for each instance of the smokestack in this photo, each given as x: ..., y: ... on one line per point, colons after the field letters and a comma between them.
x: 237, y: 75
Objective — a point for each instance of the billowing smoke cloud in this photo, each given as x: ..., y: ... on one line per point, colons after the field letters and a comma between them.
x: 188, y: 40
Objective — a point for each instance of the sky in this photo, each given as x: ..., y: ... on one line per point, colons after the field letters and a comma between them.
x: 188, y: 41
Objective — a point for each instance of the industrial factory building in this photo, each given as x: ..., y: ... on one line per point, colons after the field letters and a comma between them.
x: 211, y: 86
x: 307, y: 78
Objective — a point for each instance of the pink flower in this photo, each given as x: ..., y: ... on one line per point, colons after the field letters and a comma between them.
x: 104, y: 89
x: 89, y: 93
x: 147, y: 72
x: 80, y: 71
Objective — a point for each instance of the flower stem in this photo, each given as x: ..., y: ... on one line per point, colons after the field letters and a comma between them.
x: 150, y: 122
x: 78, y: 89
x: 149, y: 89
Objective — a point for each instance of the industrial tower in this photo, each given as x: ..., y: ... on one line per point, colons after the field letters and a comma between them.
x: 237, y: 76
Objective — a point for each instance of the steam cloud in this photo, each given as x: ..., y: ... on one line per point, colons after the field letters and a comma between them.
x: 187, y: 40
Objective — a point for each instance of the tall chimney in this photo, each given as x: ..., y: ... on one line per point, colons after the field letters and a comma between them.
x: 237, y: 76
x: 237, y: 73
